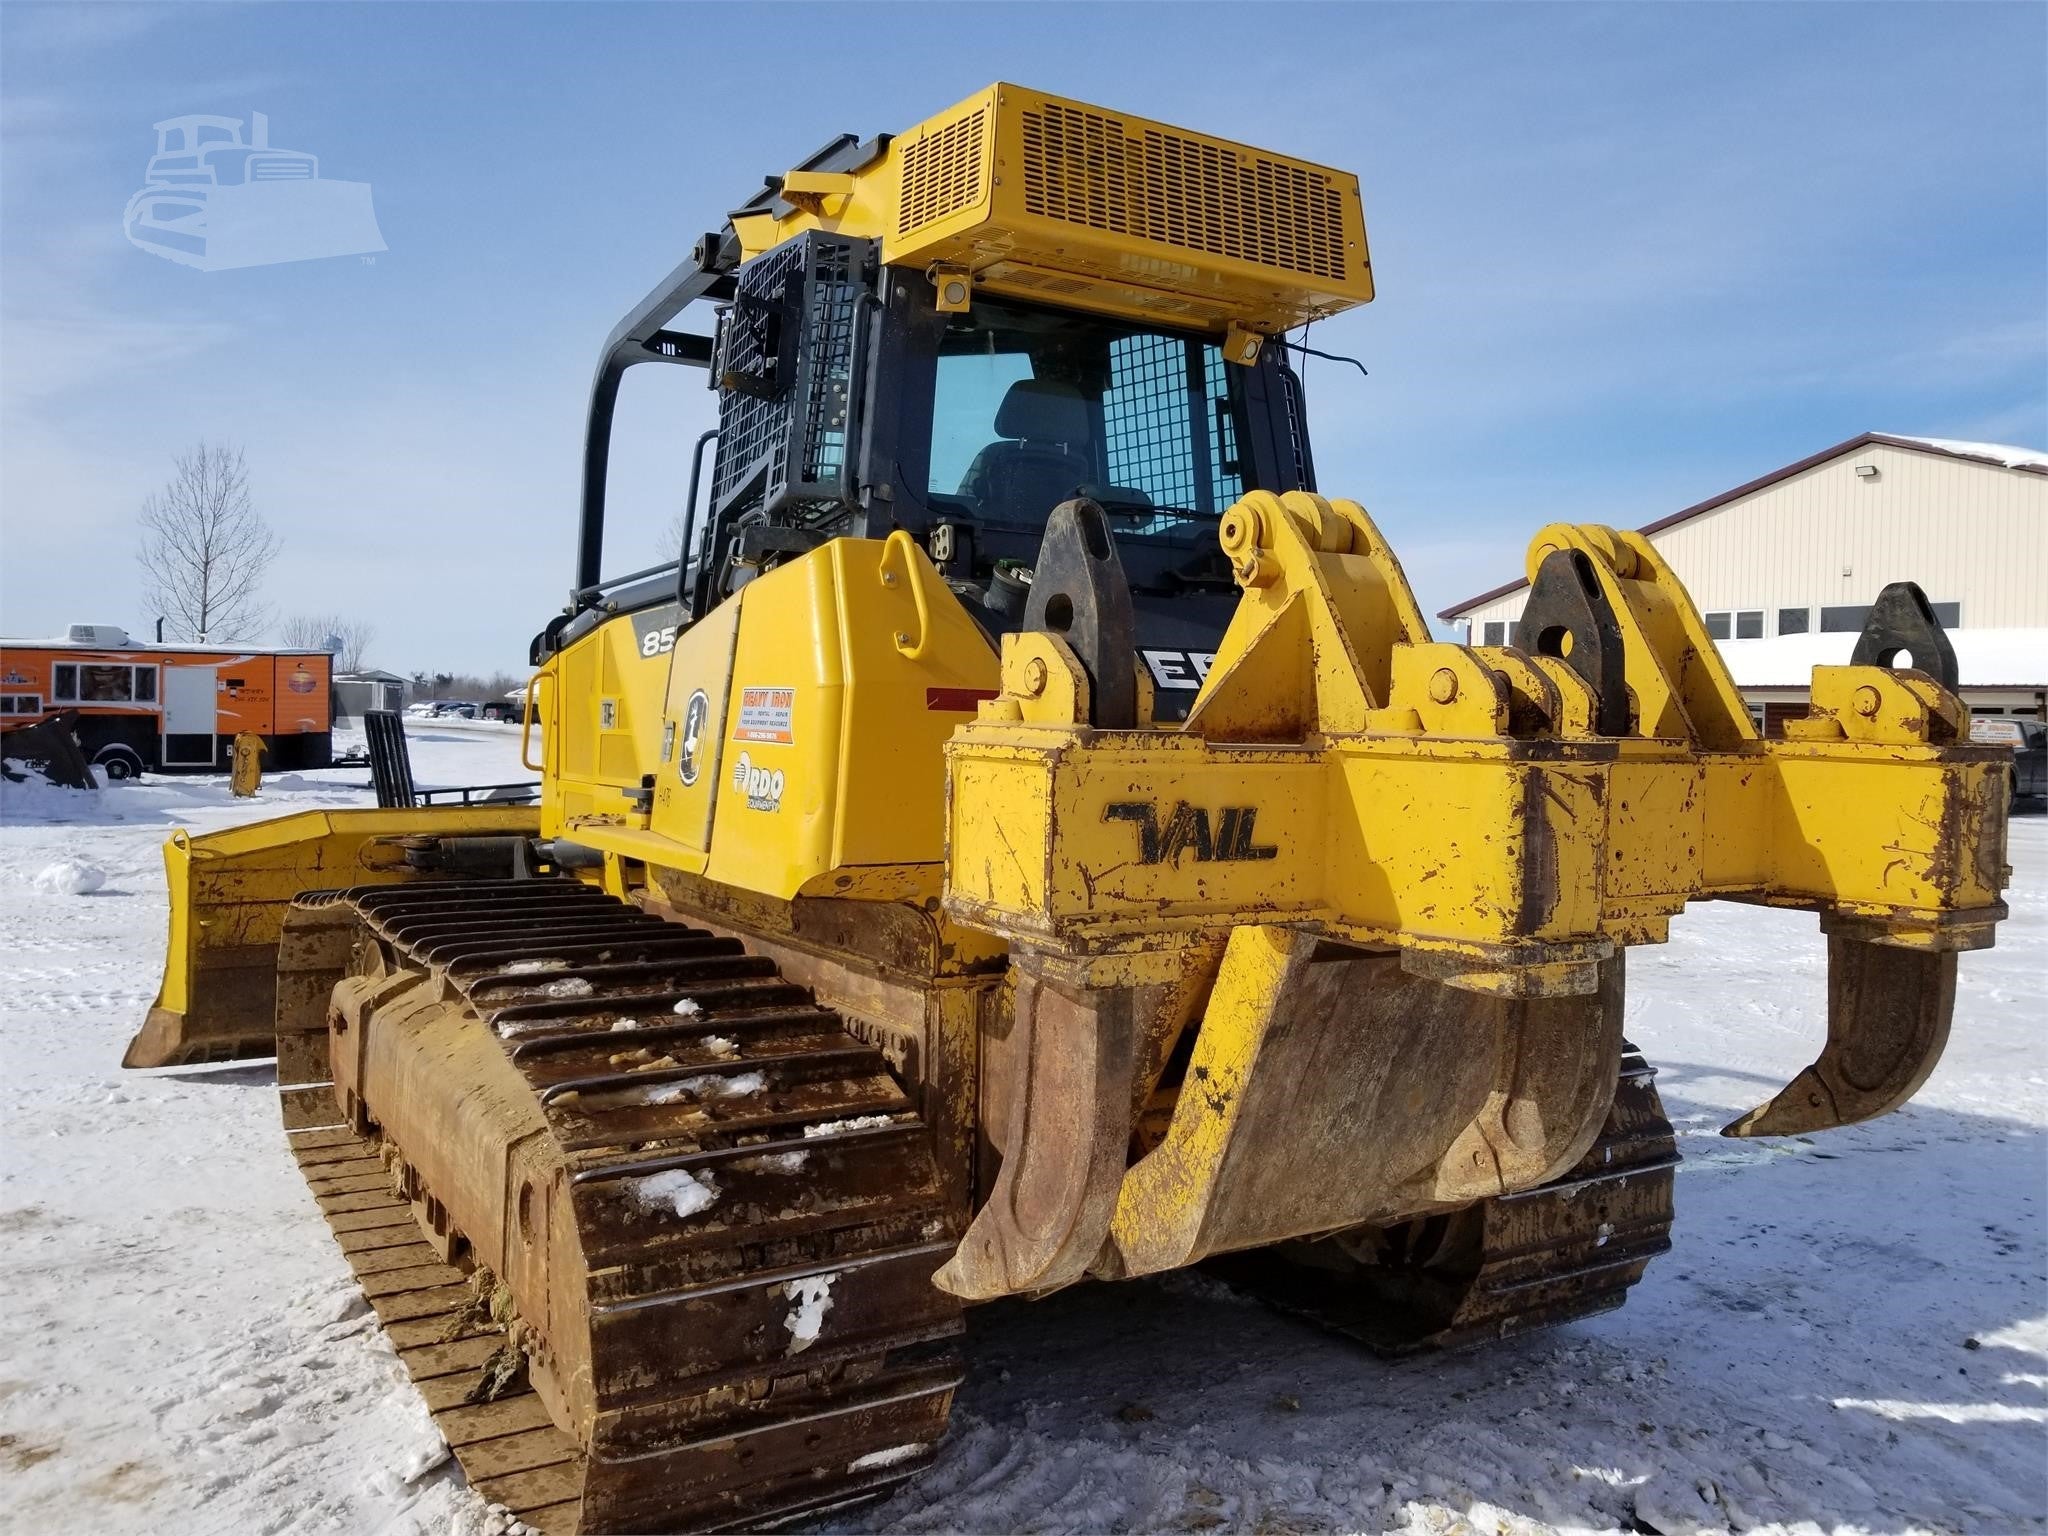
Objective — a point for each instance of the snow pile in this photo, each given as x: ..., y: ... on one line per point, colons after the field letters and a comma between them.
x: 773, y: 1162
x: 813, y: 1298
x: 678, y: 1190
x: 1985, y: 658
x: 706, y: 1085
x: 512, y: 1029
x: 568, y: 986
x: 533, y: 967
x: 688, y: 1008
x: 33, y: 798
x: 70, y: 877
x: 2003, y: 453
x: 857, y: 1123
x: 720, y: 1047
x: 888, y: 1458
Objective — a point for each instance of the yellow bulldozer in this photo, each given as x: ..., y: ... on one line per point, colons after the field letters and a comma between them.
x: 1029, y: 835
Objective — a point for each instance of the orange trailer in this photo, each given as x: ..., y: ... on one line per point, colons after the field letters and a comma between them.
x: 171, y: 707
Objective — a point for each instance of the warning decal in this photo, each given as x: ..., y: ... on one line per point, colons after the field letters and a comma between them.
x: 764, y: 715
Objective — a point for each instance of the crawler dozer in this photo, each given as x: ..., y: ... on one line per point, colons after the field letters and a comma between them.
x: 1029, y: 835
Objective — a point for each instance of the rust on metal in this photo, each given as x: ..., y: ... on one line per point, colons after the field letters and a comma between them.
x: 1567, y: 1249
x: 1888, y: 1019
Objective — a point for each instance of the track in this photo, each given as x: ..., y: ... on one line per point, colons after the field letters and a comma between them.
x: 703, y: 1337
x: 722, y: 1363
x: 1566, y: 1250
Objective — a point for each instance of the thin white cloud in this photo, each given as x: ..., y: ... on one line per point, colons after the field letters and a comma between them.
x: 75, y: 27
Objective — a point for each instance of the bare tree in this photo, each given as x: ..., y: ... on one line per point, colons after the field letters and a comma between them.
x: 205, y: 548
x: 314, y: 631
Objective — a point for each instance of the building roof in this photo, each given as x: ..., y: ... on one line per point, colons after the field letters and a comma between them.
x: 138, y: 647
x: 2026, y: 460
x: 1985, y: 658
x: 368, y: 675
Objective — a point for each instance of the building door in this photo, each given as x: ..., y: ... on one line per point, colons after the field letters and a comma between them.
x: 191, y: 709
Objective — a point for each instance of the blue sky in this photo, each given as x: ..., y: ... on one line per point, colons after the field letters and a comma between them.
x: 1627, y: 257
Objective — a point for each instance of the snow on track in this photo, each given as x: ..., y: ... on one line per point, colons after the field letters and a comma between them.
x: 181, y: 1349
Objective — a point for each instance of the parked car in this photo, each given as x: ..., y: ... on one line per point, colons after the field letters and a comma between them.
x: 502, y: 709
x: 2029, y: 742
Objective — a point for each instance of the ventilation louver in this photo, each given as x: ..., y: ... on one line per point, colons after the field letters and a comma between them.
x: 942, y: 173
x: 1088, y: 168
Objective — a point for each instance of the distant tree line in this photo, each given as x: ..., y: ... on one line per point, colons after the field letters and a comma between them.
x: 465, y: 686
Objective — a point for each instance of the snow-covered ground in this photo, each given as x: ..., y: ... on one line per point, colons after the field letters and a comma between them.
x: 1850, y: 1334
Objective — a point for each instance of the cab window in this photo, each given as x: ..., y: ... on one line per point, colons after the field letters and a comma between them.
x: 1033, y: 407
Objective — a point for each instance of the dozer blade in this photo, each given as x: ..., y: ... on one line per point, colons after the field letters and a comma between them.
x: 1888, y: 1017
x: 229, y: 894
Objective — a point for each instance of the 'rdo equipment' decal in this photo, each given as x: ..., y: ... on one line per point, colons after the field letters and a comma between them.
x: 1187, y: 831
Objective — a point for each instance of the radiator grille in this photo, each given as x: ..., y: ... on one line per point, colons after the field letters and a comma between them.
x: 1089, y: 168
x: 277, y: 169
x: 942, y: 173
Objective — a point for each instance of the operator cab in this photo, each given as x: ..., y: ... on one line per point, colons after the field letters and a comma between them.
x: 865, y: 387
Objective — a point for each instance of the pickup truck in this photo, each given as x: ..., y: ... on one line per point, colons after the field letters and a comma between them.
x: 2029, y: 742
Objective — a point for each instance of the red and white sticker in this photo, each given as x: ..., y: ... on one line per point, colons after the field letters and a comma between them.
x: 765, y: 715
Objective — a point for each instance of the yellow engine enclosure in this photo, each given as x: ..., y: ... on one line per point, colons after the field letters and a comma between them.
x: 795, y: 737
x: 1039, y: 197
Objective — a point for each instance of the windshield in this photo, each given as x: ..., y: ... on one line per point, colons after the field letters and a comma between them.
x: 1032, y: 408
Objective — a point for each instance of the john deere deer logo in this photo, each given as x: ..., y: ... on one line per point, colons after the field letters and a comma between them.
x: 1187, y: 830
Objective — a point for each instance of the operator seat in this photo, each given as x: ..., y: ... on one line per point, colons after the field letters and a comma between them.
x: 1047, y: 452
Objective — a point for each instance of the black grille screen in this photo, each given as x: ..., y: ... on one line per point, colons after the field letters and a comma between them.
x: 835, y: 294
x: 786, y: 402
x: 1154, y: 381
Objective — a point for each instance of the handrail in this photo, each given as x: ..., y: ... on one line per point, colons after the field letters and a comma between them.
x: 529, y: 791
x: 705, y: 440
x: 901, y: 546
x: 528, y: 714
x: 609, y: 582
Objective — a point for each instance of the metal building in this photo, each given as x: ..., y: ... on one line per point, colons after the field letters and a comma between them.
x: 1785, y: 567
x: 355, y: 692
